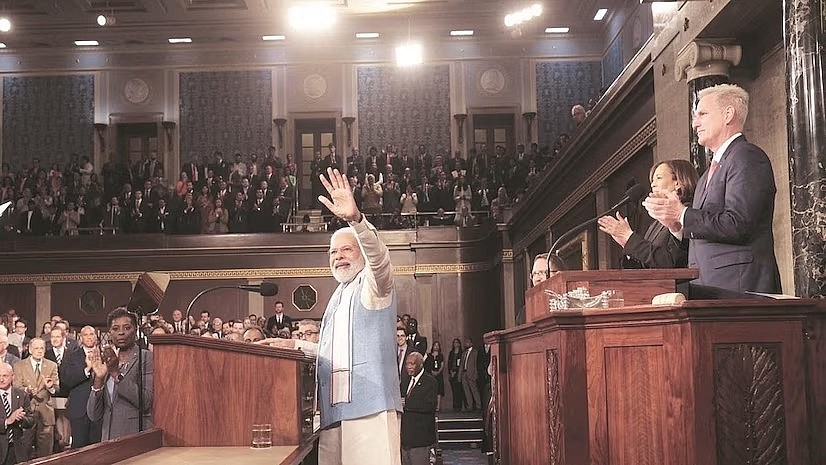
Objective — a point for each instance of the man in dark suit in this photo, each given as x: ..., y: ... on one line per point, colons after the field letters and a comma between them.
x: 469, y: 375
x: 403, y: 349
x: 414, y: 339
x: 16, y: 415
x: 179, y: 324
x: 419, y: 416
x: 730, y: 222
x: 279, y: 320
x: 76, y: 378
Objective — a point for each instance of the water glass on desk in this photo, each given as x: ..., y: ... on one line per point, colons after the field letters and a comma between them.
x: 261, y: 436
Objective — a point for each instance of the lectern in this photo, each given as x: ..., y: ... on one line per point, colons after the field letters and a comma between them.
x: 713, y: 382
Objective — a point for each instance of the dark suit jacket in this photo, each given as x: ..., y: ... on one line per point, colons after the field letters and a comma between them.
x: 272, y: 323
x: 658, y: 248
x: 75, y: 382
x: 730, y: 224
x: 50, y: 355
x: 419, y: 416
x: 18, y: 399
x: 419, y: 343
x: 404, y: 378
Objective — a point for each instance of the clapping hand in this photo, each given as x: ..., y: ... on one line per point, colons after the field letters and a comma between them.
x: 618, y: 228
x: 17, y: 415
x: 341, y: 201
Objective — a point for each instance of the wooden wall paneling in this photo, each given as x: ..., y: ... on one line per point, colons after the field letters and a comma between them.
x: 679, y: 443
x: 574, y: 400
x: 527, y: 441
x: 66, y: 300
x: 766, y: 372
x: 814, y: 339
x: 20, y: 297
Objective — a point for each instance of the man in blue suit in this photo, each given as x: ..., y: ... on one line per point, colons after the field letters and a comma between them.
x: 730, y: 222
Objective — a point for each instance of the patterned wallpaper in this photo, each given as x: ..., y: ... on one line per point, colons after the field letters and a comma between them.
x: 559, y: 86
x: 612, y: 62
x: 47, y: 117
x: 404, y: 106
x: 228, y: 111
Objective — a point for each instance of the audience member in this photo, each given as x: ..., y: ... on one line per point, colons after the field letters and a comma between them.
x: 418, y: 432
x: 121, y: 408
x: 469, y: 376
x: 279, y: 320
x: 454, y: 369
x: 39, y: 378
x: 18, y: 418
x: 76, y: 377
x: 434, y: 364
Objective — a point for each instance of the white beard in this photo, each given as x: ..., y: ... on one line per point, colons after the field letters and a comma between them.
x: 345, y: 275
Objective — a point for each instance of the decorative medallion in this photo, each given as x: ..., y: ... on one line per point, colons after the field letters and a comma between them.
x: 315, y: 86
x: 305, y: 297
x: 492, y: 81
x: 92, y: 302
x: 136, y: 90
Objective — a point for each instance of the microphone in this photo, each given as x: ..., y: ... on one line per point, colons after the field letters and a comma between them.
x: 265, y: 289
x: 634, y: 193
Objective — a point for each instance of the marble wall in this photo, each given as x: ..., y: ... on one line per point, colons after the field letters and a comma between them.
x: 404, y: 106
x: 559, y: 86
x: 230, y: 111
x: 47, y: 117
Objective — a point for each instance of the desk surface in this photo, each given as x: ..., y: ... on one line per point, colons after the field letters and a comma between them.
x: 212, y: 456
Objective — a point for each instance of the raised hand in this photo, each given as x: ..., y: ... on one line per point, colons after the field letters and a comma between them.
x: 341, y: 201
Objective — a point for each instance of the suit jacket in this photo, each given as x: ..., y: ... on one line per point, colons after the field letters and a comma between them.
x: 404, y: 378
x: 730, y: 223
x: 419, y: 416
x: 18, y: 399
x: 658, y: 248
x: 10, y: 358
x: 75, y: 381
x: 418, y: 342
x: 50, y: 355
x: 273, y: 326
x: 119, y: 412
x: 468, y: 366
x: 41, y: 399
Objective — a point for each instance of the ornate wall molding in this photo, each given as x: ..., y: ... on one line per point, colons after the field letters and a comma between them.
x: 748, y: 404
x: 644, y: 136
x: 257, y: 273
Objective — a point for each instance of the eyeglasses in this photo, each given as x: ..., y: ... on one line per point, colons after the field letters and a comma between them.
x: 306, y: 334
x: 538, y: 274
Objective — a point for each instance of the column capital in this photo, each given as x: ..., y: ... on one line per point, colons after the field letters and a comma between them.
x: 703, y: 58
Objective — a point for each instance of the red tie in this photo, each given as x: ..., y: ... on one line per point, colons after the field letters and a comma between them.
x: 711, y: 170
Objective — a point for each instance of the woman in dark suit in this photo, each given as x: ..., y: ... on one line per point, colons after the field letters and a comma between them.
x: 454, y: 364
x: 658, y: 248
x: 434, y: 364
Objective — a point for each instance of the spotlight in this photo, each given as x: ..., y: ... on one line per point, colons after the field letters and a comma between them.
x: 5, y: 24
x: 311, y: 17
x: 409, y: 54
x: 106, y: 20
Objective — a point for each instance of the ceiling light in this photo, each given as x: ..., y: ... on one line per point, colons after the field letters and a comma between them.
x: 5, y: 24
x: 86, y: 43
x: 557, y: 30
x: 273, y: 37
x: 367, y: 35
x: 525, y: 14
x: 106, y: 20
x: 2, y: 45
x: 409, y: 54
x: 180, y: 40
x: 600, y: 14
x: 318, y: 17
x: 467, y: 32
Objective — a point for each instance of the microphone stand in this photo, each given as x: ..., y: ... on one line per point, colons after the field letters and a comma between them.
x: 580, y: 227
x: 139, y: 313
x: 198, y: 296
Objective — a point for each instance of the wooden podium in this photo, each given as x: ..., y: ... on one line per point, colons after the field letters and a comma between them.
x: 705, y: 382
x: 207, y: 395
x: 638, y: 286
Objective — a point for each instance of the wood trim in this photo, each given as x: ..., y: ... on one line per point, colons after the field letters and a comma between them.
x: 229, y: 346
x: 107, y: 452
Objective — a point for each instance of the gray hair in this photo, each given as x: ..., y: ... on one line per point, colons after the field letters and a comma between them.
x: 729, y: 95
x: 309, y: 322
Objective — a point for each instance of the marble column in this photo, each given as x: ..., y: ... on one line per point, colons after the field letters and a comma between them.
x: 804, y: 41
x: 703, y: 65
